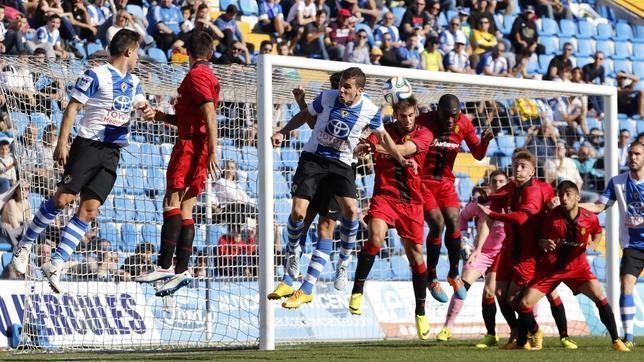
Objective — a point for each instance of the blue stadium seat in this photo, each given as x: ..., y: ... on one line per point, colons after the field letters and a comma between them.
x: 231, y: 153
x: 129, y: 236
x: 464, y: 190
x: 166, y: 149
x: 252, y: 183
x: 400, y: 268
x: 381, y: 270
x: 585, y: 47
x: 135, y: 10
x: 492, y: 148
x: 108, y: 231
x: 151, y: 155
x: 157, y: 55
x: 608, y: 66
x: 593, y: 122
x: 150, y: 233
x: 290, y: 157
x: 120, y: 185
x: 549, y: 43
x: 249, y: 158
x: 604, y: 32
x: 223, y: 4
x: 93, y: 48
x: 398, y: 14
x: 508, y: 20
x: 533, y: 66
x: 35, y: 199
x: 640, y: 126
x: 606, y: 46
x: 623, y: 31
x: 622, y: 50
x: 548, y: 27
x: 282, y: 211
x: 282, y: 188
x: 154, y: 181
x: 130, y: 155
x: 133, y: 178
x: 6, y: 259
x: 200, y: 237
x: 568, y: 28
x: 623, y: 65
x: 506, y: 144
x: 544, y: 60
x: 125, y: 209
x: 215, y: 231
x: 394, y: 241
x: 624, y: 123
x: 145, y: 210
x: 638, y: 68
x: 249, y: 7
x: 586, y: 30
x: 581, y: 61
x: 369, y: 181
x: 638, y: 51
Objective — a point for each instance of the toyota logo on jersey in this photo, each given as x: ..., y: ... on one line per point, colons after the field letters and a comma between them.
x: 122, y: 104
x: 338, y: 128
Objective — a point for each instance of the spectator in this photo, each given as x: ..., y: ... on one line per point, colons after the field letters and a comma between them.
x: 415, y: 15
x: 596, y: 143
x: 201, y: 269
x: 553, y: 9
x: 629, y: 99
x: 339, y: 34
x: 300, y: 15
x: 14, y: 214
x: 480, y: 11
x: 622, y: 147
x: 188, y: 24
x: 271, y: 18
x: 389, y: 52
x: 587, y: 170
x: 284, y: 49
x: 448, y: 35
x: 561, y: 167
x: 559, y: 62
x: 50, y: 93
x: 375, y: 56
x: 48, y: 38
x: 457, y: 60
x: 166, y: 23
x: 386, y: 26
x: 464, y: 15
x: 494, y: 63
x: 227, y: 189
x: 265, y: 47
x: 82, y: 21
x: 594, y: 73
x: 229, y: 257
x: 312, y: 43
x: 8, y: 176
x: 408, y: 55
x: 357, y: 51
x: 482, y: 40
x: 235, y: 54
x: 202, y: 23
x: 99, y: 12
x: 108, y: 265
x: 123, y: 20
x: 541, y: 141
x: 321, y: 5
x: 431, y: 58
x: 14, y: 38
x: 434, y: 10
x: 141, y: 262
x: 524, y: 35
x: 47, y: 8
x: 227, y: 24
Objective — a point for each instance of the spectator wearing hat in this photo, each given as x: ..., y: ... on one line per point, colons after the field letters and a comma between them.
x: 457, y: 60
x: 431, y: 58
x: 339, y: 34
x: 482, y: 40
x: 227, y: 24
x: 415, y: 14
x: 166, y: 23
x: 448, y: 35
x: 357, y: 51
x: 375, y: 56
x: 409, y: 56
x: 494, y: 63
x: 271, y: 18
x: 464, y: 16
x: 386, y: 26
x: 524, y: 35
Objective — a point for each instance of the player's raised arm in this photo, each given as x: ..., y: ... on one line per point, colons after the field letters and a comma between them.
x: 388, y: 144
x: 478, y: 147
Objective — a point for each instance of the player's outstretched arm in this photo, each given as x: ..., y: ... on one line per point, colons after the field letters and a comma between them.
x: 390, y: 146
x: 210, y: 115
x: 477, y: 147
x: 303, y: 116
x: 69, y: 116
x: 596, y: 207
x: 165, y: 118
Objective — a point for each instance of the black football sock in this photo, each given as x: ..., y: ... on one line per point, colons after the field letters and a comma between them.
x: 170, y: 232
x: 433, y: 254
x: 453, y: 245
x: 559, y: 315
x: 184, y: 246
x: 365, y: 263
x: 608, y: 318
x: 489, y: 315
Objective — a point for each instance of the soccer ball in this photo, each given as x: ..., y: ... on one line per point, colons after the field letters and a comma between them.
x: 396, y: 89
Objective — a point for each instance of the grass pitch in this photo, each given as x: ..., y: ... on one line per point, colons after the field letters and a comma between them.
x: 590, y: 349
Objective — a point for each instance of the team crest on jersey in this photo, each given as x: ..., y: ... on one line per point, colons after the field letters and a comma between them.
x: 583, y: 231
x: 67, y: 179
x: 123, y: 87
x: 344, y: 113
x: 456, y: 129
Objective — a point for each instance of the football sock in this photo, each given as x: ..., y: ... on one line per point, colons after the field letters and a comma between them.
x: 453, y: 245
x: 72, y: 236
x: 184, y: 246
x: 419, y: 281
x: 366, y: 257
x: 286, y: 279
x: 170, y: 232
x: 45, y: 215
x: 608, y: 318
x: 433, y: 254
x: 455, y: 306
x: 318, y: 260
x: 489, y: 314
x: 527, y: 323
x: 348, y: 232
x: 559, y: 315
x: 508, y: 314
x: 294, y: 232
x: 627, y: 311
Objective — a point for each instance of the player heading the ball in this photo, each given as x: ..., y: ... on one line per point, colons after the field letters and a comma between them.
x: 109, y: 93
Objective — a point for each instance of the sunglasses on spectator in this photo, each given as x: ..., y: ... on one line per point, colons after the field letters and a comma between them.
x: 362, y: 36
x: 238, y: 49
x: 568, y: 49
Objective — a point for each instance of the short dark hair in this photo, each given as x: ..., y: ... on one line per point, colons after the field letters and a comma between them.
x: 567, y: 185
x: 265, y: 42
x: 199, y: 45
x: 624, y: 130
x: 186, y: 7
x: 635, y: 143
x: 448, y: 101
x: 334, y: 79
x: 231, y: 9
x: 320, y: 12
x: 123, y: 39
x: 39, y: 51
x: 355, y: 73
x: 4, y: 143
x: 52, y: 17
x: 405, y: 104
x: 203, y: 6
x: 496, y: 173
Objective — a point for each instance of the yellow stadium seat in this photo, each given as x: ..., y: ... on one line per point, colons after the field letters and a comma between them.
x: 214, y: 14
x: 256, y: 39
x: 244, y: 28
x: 466, y: 163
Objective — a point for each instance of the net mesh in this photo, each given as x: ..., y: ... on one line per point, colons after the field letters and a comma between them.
x: 101, y: 307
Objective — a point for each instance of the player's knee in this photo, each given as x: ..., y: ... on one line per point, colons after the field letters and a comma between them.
x: 524, y: 305
x: 87, y: 214
x: 436, y: 225
x: 351, y: 213
x: 627, y: 286
x: 452, y: 222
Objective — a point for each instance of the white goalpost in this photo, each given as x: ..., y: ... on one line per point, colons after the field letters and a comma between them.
x: 240, y: 220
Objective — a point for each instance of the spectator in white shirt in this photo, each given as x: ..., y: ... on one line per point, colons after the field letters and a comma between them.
x: 124, y: 21
x: 299, y: 16
x: 48, y: 38
x: 227, y: 189
x: 386, y: 26
x: 8, y: 176
x: 494, y: 63
x: 457, y: 60
x: 448, y: 35
x: 562, y: 167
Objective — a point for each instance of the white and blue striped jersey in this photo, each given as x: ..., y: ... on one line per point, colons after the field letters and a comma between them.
x: 43, y: 35
x: 629, y: 195
x: 338, y: 127
x: 109, y: 98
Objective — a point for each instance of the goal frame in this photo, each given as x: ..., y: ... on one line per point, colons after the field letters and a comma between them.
x: 265, y: 67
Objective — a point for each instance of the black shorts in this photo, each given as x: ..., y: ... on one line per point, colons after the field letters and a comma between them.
x: 324, y: 203
x: 312, y: 170
x: 632, y: 262
x: 91, y: 167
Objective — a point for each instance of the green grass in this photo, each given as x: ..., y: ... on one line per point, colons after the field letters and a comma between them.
x: 590, y: 349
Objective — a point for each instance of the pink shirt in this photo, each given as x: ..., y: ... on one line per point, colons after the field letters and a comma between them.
x: 496, y: 236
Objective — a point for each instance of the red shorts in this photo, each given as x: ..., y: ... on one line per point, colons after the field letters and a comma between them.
x: 444, y: 194
x: 188, y: 165
x: 547, y: 280
x: 407, y: 218
x: 519, y: 271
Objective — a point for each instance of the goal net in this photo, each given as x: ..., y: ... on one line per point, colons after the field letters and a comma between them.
x: 240, y: 242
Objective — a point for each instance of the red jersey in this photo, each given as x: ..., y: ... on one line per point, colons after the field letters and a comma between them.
x: 198, y: 87
x: 446, y: 144
x: 523, y: 208
x: 571, y: 237
x: 395, y: 180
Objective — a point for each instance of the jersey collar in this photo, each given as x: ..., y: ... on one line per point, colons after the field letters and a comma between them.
x: 634, y: 180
